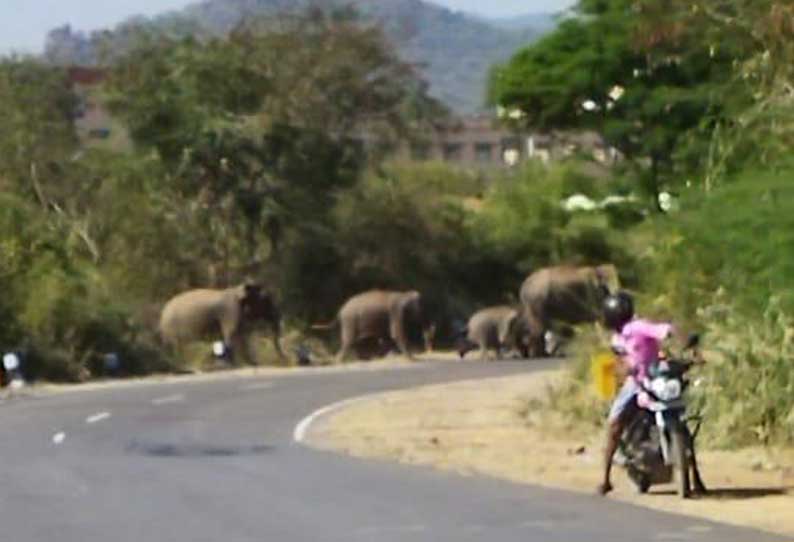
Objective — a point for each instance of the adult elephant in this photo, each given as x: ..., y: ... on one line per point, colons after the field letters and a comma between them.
x: 229, y: 314
x: 376, y: 317
x: 491, y: 328
x: 567, y: 294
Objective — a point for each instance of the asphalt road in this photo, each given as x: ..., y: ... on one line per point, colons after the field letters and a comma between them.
x: 214, y: 460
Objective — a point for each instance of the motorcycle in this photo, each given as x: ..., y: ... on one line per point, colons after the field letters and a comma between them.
x: 660, y: 440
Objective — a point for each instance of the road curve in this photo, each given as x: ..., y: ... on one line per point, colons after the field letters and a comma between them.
x: 214, y: 460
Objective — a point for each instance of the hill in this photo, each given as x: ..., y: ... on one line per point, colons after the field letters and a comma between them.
x: 454, y: 49
x: 540, y: 22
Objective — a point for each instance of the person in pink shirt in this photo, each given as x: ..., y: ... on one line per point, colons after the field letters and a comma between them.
x: 637, y: 342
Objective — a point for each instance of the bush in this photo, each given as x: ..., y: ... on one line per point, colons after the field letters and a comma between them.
x: 733, y: 239
x: 748, y: 384
x: 524, y: 223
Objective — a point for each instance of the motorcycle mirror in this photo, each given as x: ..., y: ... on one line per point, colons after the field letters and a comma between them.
x: 693, y: 341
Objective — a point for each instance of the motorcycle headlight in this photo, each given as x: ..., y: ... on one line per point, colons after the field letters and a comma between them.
x: 666, y: 389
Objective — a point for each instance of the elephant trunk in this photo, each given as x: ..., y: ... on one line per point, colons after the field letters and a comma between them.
x: 429, y: 334
x: 277, y: 337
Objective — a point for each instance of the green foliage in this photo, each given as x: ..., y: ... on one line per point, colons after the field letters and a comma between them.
x: 242, y: 144
x: 526, y: 224
x: 747, y: 391
x: 719, y: 266
x: 604, y: 70
x: 391, y: 229
x: 574, y: 398
x: 705, y: 248
x: 36, y: 105
x: 261, y: 127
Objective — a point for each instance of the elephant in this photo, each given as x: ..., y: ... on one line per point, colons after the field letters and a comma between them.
x: 375, y: 317
x: 492, y: 327
x: 227, y: 314
x: 567, y: 294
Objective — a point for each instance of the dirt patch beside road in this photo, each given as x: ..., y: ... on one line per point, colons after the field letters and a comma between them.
x: 486, y: 427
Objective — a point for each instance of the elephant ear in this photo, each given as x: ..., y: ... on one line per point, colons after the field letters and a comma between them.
x: 248, y: 290
x: 257, y: 303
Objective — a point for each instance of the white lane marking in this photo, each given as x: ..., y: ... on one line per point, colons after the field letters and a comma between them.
x: 57, y: 438
x: 259, y: 386
x: 98, y: 417
x: 176, y: 398
x: 699, y: 529
x: 299, y: 435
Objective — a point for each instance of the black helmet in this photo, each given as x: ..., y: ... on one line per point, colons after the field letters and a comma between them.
x: 618, y: 310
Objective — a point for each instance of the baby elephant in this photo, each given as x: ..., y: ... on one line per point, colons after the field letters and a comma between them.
x: 491, y: 328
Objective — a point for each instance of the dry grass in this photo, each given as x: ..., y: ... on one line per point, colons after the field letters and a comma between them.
x: 484, y: 427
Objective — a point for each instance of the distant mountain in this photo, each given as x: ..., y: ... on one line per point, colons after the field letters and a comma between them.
x: 456, y: 49
x: 539, y: 22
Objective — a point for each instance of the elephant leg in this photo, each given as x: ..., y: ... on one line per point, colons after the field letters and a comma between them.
x: 230, y: 334
x: 348, y: 340
x: 343, y: 353
x: 464, y: 347
x: 483, y: 351
x: 537, y: 345
x: 537, y: 341
x: 277, y: 346
x: 240, y: 347
x: 428, y: 335
x: 248, y: 350
x: 398, y: 336
x: 176, y: 350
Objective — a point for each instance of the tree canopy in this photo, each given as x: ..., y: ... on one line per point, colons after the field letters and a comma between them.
x: 619, y: 67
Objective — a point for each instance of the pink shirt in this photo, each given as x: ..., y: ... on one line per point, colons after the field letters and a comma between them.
x: 638, y: 344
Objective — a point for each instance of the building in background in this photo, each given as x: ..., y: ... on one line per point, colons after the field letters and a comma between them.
x: 93, y: 122
x: 481, y: 142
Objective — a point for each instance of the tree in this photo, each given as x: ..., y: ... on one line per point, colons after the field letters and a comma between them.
x: 259, y: 129
x: 756, y: 37
x: 602, y: 70
x: 37, y: 107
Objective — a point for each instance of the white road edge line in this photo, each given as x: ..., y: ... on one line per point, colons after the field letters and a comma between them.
x: 59, y: 437
x: 98, y: 417
x: 299, y: 435
x: 169, y: 399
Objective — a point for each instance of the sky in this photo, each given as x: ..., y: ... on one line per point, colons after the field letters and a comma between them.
x: 25, y: 23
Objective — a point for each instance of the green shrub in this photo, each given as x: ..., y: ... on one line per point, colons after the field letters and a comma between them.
x: 747, y: 394
x: 525, y: 223
x: 736, y: 238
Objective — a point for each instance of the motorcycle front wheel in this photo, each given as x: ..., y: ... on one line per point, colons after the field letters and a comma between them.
x: 681, y: 458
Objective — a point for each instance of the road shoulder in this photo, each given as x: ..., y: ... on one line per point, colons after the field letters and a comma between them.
x: 488, y: 427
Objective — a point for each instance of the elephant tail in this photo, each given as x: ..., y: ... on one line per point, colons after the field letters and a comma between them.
x: 328, y: 325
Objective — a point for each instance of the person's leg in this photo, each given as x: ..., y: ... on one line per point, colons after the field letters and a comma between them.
x: 623, y: 409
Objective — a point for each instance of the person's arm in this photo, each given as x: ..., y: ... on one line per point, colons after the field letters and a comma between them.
x: 622, y: 367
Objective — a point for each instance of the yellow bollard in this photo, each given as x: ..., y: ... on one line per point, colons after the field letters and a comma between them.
x: 602, y: 367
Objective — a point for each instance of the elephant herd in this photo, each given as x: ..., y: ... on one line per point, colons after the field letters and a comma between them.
x: 374, y: 322
x: 548, y: 297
